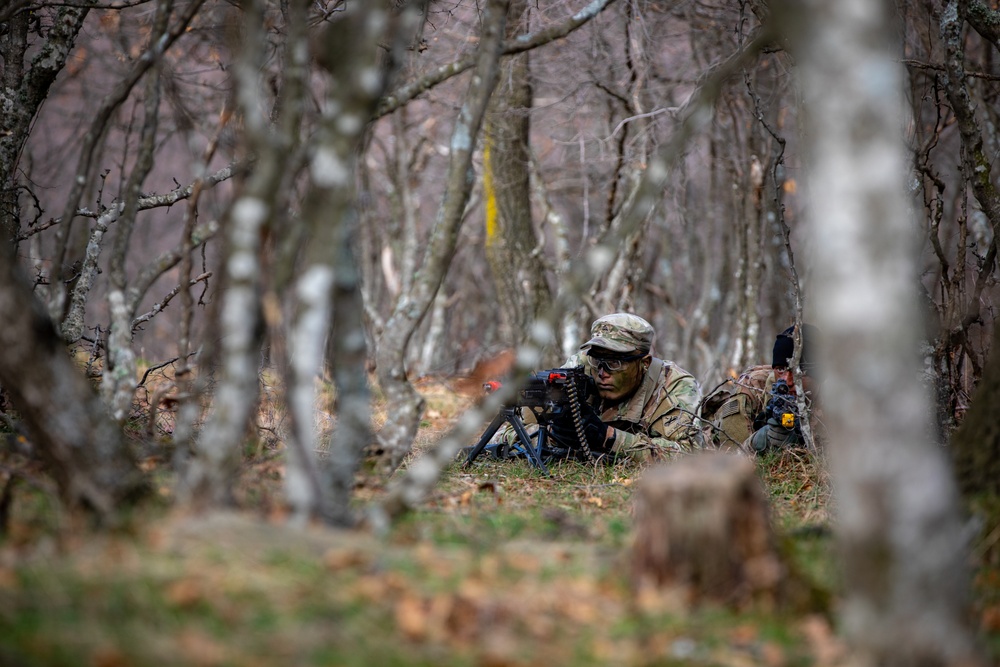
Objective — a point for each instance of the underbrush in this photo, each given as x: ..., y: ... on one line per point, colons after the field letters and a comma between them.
x: 500, y: 565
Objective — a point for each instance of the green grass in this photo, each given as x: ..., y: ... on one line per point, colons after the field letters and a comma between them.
x: 499, y: 566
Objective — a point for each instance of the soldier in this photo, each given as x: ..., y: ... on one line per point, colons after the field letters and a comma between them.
x: 737, y: 410
x: 646, y: 407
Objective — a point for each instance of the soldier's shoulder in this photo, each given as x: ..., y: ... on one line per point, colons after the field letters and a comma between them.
x: 671, y: 371
x: 755, y: 376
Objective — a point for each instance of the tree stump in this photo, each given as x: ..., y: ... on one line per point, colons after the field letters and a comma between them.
x: 703, y: 532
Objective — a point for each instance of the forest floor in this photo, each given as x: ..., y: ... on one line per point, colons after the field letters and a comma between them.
x: 500, y: 567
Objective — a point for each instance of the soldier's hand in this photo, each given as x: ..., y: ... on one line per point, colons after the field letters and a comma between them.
x: 774, y: 436
x: 564, y: 429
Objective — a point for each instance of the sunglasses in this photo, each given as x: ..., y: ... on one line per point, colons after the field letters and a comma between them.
x: 611, y: 365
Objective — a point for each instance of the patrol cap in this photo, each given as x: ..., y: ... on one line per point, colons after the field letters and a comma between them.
x: 620, y: 332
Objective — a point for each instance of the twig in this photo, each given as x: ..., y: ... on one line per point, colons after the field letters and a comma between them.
x: 624, y: 121
x: 160, y: 306
x: 520, y: 44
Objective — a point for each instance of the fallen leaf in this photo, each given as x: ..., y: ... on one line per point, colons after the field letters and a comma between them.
x: 989, y: 620
x: 411, y: 617
x: 184, y: 592
x: 744, y: 634
x: 343, y: 558
x: 108, y: 656
x: 825, y: 645
x: 200, y: 649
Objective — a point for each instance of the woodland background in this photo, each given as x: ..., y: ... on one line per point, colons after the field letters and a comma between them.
x: 214, y: 208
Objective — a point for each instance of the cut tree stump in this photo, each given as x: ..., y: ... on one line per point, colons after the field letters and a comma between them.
x: 703, y: 533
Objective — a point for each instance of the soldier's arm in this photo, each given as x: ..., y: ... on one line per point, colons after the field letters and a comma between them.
x: 672, y: 431
x: 681, y: 438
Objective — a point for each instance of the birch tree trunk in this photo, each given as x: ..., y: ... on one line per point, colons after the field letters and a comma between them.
x: 210, y: 473
x: 331, y: 270
x: 407, y: 405
x: 898, y: 524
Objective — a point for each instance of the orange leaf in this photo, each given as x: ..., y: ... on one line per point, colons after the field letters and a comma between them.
x: 411, y: 617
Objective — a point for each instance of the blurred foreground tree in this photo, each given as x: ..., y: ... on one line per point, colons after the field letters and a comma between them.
x: 898, y: 528
x: 77, y: 433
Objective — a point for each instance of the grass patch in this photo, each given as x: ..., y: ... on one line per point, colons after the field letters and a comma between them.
x: 499, y: 566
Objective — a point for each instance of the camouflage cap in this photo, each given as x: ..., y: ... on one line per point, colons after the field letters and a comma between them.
x: 620, y: 332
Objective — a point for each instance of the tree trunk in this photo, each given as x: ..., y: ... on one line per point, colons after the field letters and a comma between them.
x: 976, y: 443
x: 401, y: 425
x: 518, y: 272
x: 25, y: 89
x: 68, y: 424
x: 346, y: 349
x: 898, y: 529
x: 216, y: 454
x: 703, y: 532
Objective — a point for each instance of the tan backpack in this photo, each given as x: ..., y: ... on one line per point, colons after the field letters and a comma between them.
x: 730, y: 408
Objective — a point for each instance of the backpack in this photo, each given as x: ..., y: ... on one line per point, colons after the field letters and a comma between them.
x: 730, y: 409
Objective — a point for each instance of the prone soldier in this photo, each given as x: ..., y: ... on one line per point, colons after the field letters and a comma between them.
x: 644, y: 407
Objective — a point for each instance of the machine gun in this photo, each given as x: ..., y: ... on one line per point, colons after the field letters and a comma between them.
x: 548, y: 394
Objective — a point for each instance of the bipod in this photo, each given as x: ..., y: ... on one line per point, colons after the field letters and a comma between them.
x: 510, y: 415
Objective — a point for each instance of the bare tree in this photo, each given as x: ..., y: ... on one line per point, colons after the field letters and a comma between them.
x: 330, y: 258
x: 401, y: 427
x: 65, y: 418
x: 898, y: 525
x: 208, y: 477
x: 68, y: 422
x: 512, y: 246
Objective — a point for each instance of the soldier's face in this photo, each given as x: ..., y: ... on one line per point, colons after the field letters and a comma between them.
x: 786, y: 375
x: 789, y: 378
x: 619, y: 384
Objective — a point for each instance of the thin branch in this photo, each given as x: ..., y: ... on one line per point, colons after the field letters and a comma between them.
x: 161, y: 305
x: 115, y: 99
x: 986, y: 21
x: 624, y: 121
x: 151, y: 369
x: 170, y: 259
x: 19, y: 6
x: 168, y: 199
x: 909, y: 62
x: 406, y: 93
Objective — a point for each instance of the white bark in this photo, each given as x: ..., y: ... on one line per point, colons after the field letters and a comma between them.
x: 118, y: 384
x: 302, y: 482
x: 401, y: 425
x: 209, y: 478
x: 897, y: 523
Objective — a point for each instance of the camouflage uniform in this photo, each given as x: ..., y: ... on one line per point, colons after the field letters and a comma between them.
x: 658, y: 420
x: 730, y: 408
x: 734, y: 410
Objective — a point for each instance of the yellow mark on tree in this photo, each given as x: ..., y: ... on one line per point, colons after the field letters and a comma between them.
x: 489, y: 192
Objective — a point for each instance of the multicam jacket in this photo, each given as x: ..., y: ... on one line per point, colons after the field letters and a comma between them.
x: 657, y: 422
